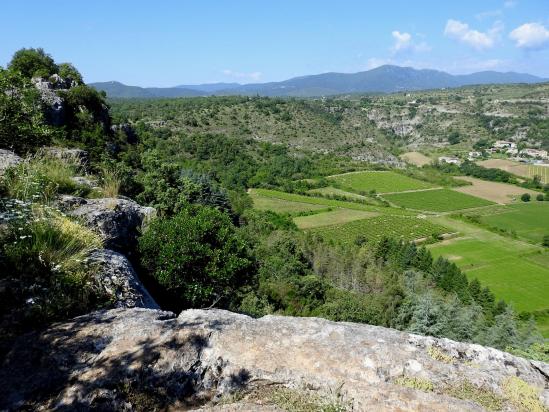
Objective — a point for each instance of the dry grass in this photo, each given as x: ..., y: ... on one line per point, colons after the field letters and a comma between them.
x: 502, y: 193
x: 416, y: 158
x: 519, y: 169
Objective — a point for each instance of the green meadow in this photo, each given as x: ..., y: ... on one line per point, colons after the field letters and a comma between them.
x: 439, y: 200
x: 380, y: 181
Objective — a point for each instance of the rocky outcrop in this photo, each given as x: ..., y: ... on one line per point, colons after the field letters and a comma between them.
x: 8, y: 159
x: 117, y: 220
x: 75, y: 156
x: 131, y: 359
x: 53, y: 102
x: 113, y: 273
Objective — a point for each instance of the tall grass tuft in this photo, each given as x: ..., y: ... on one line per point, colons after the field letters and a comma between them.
x: 40, y: 178
x: 60, y: 243
x: 110, y: 182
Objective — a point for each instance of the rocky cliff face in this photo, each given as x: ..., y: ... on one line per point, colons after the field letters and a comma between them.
x: 142, y: 359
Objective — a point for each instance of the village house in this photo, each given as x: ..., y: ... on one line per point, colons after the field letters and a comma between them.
x: 474, y: 155
x: 504, y: 144
x: 450, y: 160
x: 535, y: 153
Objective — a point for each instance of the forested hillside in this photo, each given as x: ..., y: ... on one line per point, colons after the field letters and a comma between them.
x: 194, y: 161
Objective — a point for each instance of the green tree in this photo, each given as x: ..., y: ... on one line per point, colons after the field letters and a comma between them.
x: 22, y: 125
x: 197, y: 257
x: 540, y: 197
x: 68, y: 71
x: 545, y: 241
x: 32, y: 62
x: 525, y: 197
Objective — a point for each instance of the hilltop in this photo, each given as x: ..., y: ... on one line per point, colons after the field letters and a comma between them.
x: 383, y: 79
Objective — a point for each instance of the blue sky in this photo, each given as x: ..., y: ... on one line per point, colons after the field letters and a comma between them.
x: 165, y: 43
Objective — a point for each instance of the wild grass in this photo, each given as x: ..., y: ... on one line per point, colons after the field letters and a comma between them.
x: 523, y: 396
x: 40, y: 178
x: 482, y: 396
x: 110, y: 182
x: 60, y: 243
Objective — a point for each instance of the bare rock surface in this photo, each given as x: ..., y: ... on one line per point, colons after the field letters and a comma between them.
x: 8, y: 159
x: 76, y: 156
x: 142, y: 359
x: 114, y: 273
x: 117, y: 220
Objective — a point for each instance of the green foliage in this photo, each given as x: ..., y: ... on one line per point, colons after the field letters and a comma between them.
x: 32, y: 63
x: 525, y: 197
x: 415, y: 382
x: 43, y: 268
x: 197, y: 256
x: 68, y: 71
x: 22, y: 126
x: 483, y: 396
x: 40, y: 178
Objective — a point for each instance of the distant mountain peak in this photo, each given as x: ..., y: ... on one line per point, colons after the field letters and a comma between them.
x: 382, y: 79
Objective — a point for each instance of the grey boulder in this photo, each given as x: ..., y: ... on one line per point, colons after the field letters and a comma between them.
x: 8, y: 159
x: 118, y: 221
x: 113, y: 273
x: 122, y: 359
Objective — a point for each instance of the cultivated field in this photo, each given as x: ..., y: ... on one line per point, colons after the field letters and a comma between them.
x: 528, y: 220
x: 514, y: 270
x: 541, y: 171
x: 335, y: 217
x: 519, y: 169
x: 416, y: 158
x: 440, y: 200
x: 375, y: 228
x: 331, y: 191
x: 493, y: 191
x: 380, y: 181
x: 283, y: 206
x: 327, y: 203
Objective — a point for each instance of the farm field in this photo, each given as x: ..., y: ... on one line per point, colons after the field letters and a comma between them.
x: 416, y: 158
x: 283, y: 206
x: 514, y: 270
x: 375, y: 228
x: 440, y: 200
x: 541, y: 171
x: 493, y: 191
x: 519, y: 169
x: 327, y: 203
x: 330, y: 190
x: 380, y: 181
x: 335, y: 217
x: 527, y: 220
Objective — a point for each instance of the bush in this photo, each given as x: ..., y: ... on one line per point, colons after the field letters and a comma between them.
x: 197, y: 257
x: 545, y: 241
x: 540, y: 197
x: 33, y: 62
x: 525, y: 197
x: 22, y: 126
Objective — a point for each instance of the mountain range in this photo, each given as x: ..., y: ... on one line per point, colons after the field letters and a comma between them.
x: 383, y: 79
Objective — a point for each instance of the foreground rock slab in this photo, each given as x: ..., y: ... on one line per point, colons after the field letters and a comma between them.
x: 142, y: 359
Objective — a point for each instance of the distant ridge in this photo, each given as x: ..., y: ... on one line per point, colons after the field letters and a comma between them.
x: 383, y: 79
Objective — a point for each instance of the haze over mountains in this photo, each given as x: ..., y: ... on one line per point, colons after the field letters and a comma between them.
x: 383, y: 79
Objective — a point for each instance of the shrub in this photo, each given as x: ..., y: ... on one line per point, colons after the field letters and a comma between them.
x: 545, y: 241
x: 22, y: 127
x: 32, y: 62
x: 525, y: 197
x: 197, y: 256
x: 540, y: 197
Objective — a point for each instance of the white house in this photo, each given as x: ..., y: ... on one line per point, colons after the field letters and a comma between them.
x: 504, y: 144
x: 512, y: 152
x: 474, y: 155
x: 534, y: 153
x: 450, y: 160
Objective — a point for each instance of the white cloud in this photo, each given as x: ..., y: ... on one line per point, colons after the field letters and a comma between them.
x: 530, y: 36
x: 253, y: 76
x: 474, y: 38
x: 403, y: 42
